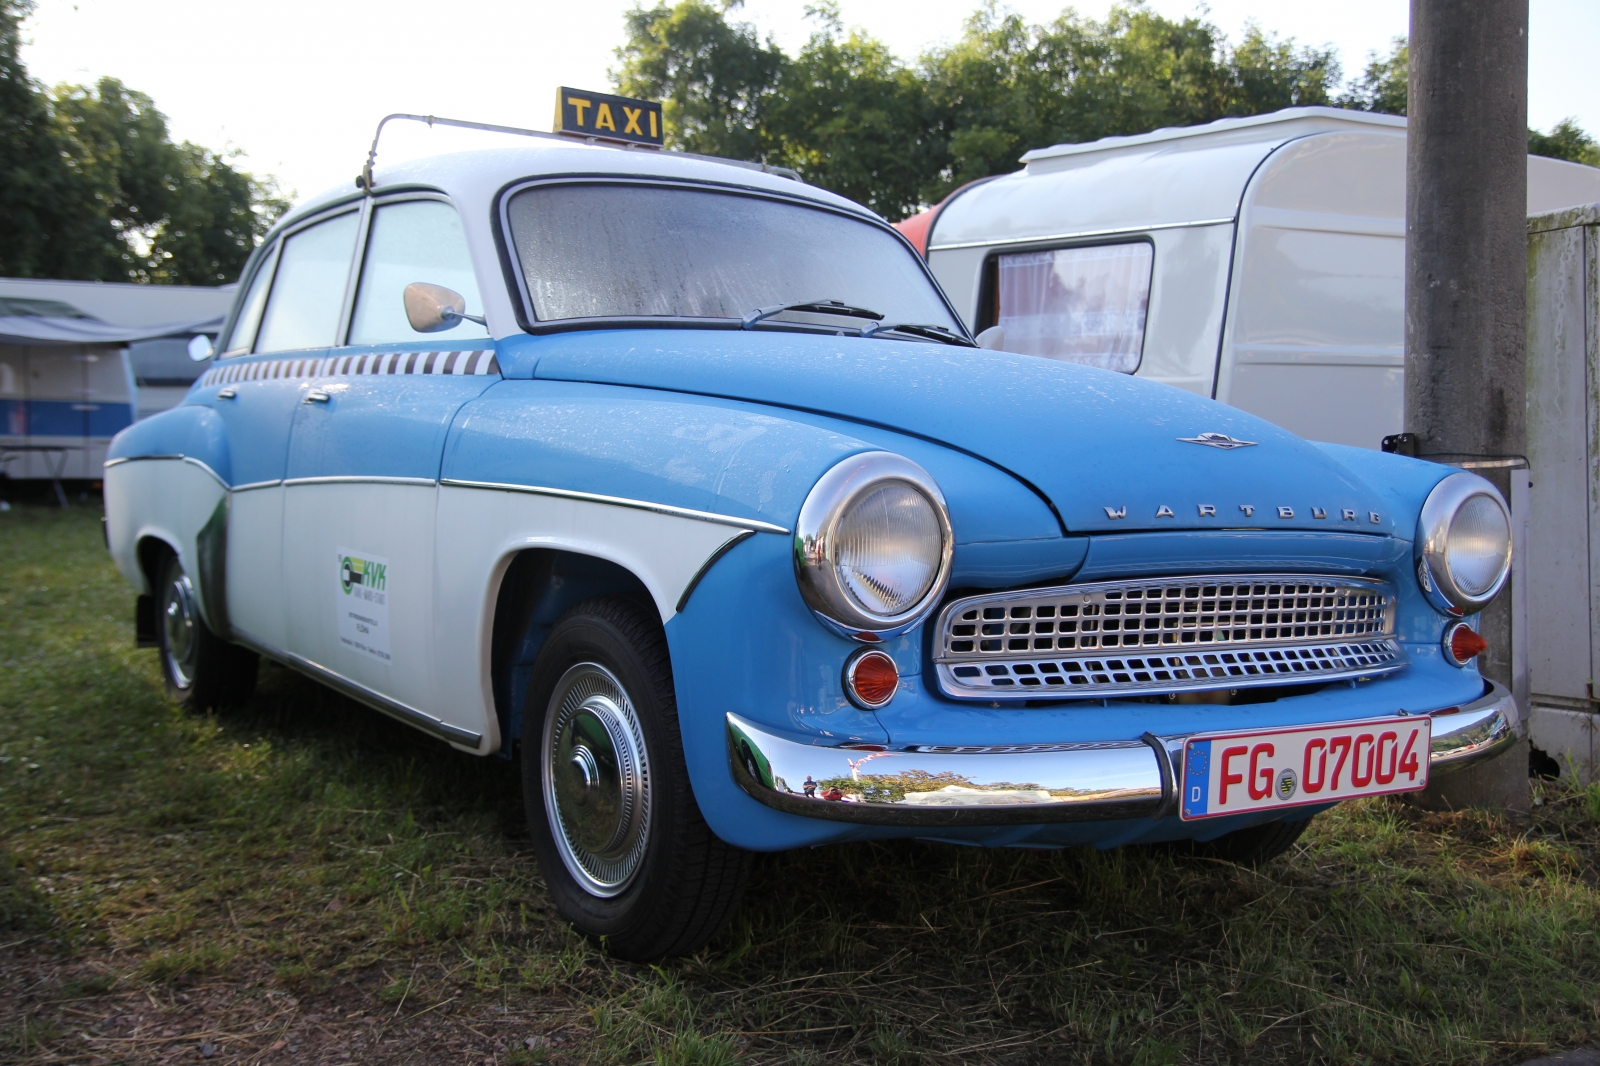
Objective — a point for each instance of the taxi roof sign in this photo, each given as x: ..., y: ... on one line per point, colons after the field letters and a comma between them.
x: 612, y: 118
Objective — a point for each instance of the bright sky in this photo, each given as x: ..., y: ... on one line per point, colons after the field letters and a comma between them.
x: 298, y: 85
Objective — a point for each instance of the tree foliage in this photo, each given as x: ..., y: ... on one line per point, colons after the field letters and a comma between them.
x: 93, y: 188
x: 852, y: 117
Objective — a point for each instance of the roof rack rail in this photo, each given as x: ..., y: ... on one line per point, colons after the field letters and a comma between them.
x: 365, y: 181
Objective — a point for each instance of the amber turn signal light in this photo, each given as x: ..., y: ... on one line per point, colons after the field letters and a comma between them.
x: 870, y: 679
x: 1462, y: 644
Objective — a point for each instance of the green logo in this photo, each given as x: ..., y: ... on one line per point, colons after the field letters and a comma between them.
x: 354, y: 571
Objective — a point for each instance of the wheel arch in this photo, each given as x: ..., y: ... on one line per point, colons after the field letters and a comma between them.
x: 537, y: 586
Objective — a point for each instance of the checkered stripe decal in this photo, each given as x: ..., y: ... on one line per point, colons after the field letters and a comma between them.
x: 472, y: 362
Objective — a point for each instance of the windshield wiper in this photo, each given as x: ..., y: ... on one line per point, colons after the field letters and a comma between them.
x: 918, y: 329
x: 815, y: 307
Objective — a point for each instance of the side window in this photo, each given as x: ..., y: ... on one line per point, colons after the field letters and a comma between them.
x: 1079, y: 305
x: 255, y: 301
x: 415, y: 240
x: 308, y: 287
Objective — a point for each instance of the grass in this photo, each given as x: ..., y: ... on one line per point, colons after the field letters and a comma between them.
x: 305, y: 881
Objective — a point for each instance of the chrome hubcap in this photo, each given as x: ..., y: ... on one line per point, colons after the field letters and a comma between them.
x: 178, y: 620
x: 596, y: 779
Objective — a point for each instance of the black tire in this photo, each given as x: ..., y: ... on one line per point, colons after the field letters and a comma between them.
x: 601, y: 714
x: 202, y: 671
x: 1253, y: 846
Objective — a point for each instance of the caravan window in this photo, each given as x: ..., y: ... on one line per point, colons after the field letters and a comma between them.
x: 1080, y: 305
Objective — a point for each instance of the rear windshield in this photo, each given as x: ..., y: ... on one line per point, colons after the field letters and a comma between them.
x: 614, y: 250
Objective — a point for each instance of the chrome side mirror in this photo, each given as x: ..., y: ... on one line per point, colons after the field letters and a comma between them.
x: 431, y: 308
x: 200, y: 347
x: 993, y: 338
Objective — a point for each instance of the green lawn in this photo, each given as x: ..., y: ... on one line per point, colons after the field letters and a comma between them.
x: 305, y: 881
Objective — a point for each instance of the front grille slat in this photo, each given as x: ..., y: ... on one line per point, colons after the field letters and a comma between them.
x: 1166, y: 635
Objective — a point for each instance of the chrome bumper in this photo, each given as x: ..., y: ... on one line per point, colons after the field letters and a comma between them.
x: 1029, y: 784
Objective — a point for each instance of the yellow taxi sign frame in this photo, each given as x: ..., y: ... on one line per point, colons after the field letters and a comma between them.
x: 607, y: 117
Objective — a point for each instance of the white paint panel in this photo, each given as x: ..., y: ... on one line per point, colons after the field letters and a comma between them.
x: 480, y: 530
x: 255, y: 564
x: 1341, y: 404
x: 168, y: 499
x: 393, y: 522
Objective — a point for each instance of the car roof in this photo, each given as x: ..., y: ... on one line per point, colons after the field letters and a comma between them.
x: 469, y: 174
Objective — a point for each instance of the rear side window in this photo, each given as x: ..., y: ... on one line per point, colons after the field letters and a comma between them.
x: 308, y: 287
x: 415, y: 240
x: 255, y: 301
x: 1080, y: 305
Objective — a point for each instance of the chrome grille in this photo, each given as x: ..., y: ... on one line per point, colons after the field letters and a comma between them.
x: 1166, y: 635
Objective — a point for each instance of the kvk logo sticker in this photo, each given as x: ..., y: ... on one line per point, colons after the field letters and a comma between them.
x: 362, y: 604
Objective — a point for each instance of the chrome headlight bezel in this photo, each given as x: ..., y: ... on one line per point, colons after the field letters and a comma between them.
x: 1433, y: 541
x: 816, y: 544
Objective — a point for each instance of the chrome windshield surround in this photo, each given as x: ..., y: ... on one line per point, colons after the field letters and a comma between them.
x: 1159, y: 635
x: 816, y: 544
x: 1433, y: 541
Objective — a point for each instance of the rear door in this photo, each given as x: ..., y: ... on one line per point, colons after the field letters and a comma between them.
x: 289, y: 320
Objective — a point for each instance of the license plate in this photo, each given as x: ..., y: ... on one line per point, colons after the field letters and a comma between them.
x: 1231, y: 773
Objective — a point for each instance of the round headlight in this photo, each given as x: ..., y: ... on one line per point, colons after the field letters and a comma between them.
x: 873, y: 545
x: 1464, y: 543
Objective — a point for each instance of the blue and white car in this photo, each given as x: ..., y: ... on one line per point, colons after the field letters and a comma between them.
x: 682, y: 482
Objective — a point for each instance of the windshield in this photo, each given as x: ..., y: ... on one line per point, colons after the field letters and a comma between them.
x: 605, y: 250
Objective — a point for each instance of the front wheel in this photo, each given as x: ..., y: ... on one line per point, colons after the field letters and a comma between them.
x: 625, y: 851
x: 201, y: 669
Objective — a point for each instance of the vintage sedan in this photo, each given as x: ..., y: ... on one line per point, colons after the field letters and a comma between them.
x: 681, y: 481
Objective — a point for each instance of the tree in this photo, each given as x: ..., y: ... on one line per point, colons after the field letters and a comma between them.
x: 1566, y: 140
x: 714, y: 77
x: 1383, y: 86
x: 93, y: 188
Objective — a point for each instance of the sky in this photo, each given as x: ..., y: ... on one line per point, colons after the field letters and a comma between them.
x: 297, y: 86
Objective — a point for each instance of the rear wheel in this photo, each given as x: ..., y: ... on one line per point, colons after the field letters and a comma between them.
x: 625, y: 851
x: 202, y: 670
x: 1255, y: 845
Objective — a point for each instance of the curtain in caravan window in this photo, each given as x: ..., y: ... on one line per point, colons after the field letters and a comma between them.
x: 1079, y: 305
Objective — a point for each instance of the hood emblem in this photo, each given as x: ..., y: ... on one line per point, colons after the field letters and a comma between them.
x: 1219, y: 440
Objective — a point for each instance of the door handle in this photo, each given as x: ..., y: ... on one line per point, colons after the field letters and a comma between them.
x: 228, y: 393
x: 316, y: 396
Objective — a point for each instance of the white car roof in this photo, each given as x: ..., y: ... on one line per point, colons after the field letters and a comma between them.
x: 483, y: 172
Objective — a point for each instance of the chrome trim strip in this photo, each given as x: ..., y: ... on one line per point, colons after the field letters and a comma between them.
x: 275, y: 482
x: 1082, y: 234
x: 1480, y: 730
x: 1070, y: 782
x: 619, y: 501
x: 1116, y: 779
x: 360, y: 693
x: 358, y: 479
x: 191, y: 460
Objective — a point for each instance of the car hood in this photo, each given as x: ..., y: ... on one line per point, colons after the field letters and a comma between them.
x: 1108, y: 451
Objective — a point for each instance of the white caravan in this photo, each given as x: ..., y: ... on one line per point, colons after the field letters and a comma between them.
x: 1257, y: 260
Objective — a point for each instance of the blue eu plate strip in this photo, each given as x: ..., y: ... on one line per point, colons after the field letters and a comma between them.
x: 1196, y: 778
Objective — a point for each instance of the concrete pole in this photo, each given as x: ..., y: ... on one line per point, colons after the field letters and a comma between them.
x: 1466, y: 285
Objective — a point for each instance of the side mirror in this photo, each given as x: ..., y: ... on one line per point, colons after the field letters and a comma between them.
x: 200, y: 347
x: 993, y: 338
x: 431, y: 308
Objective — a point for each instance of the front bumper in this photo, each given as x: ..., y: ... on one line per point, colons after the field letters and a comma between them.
x: 1036, y: 783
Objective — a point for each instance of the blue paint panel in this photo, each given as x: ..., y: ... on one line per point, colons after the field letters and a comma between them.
x: 1088, y: 438
x: 1197, y: 778
x: 188, y: 429
x: 378, y: 425
x: 14, y: 418
x: 109, y: 419
x: 643, y: 445
x: 57, y: 418
x: 1133, y: 554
